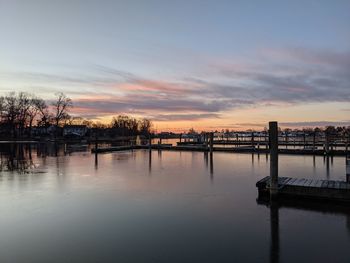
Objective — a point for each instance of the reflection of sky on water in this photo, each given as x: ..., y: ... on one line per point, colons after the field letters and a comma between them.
x: 161, y: 206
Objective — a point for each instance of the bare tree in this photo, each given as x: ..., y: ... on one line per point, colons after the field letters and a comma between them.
x: 35, y: 109
x: 2, y: 108
x: 61, y: 107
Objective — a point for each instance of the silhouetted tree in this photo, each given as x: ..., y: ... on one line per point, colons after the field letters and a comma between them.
x: 61, y: 107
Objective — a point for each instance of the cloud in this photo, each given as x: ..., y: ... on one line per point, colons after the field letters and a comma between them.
x: 315, y: 123
x: 284, y: 76
x: 184, y: 117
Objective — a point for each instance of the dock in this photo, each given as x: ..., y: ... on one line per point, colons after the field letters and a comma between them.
x: 307, y: 188
x: 203, y: 148
x: 276, y: 187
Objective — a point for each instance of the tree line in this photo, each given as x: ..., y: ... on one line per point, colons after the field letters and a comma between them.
x: 21, y: 112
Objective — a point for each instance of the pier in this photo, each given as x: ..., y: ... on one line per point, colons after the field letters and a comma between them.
x: 279, y: 187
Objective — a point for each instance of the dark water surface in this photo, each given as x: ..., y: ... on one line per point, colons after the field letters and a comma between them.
x: 161, y: 207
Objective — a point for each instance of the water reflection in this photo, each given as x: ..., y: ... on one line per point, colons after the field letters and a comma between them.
x: 303, y: 205
x: 211, y: 166
x: 16, y: 157
x: 110, y: 203
x: 275, y: 236
x: 150, y: 161
x: 96, y: 160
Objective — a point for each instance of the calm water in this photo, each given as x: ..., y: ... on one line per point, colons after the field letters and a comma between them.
x: 161, y: 207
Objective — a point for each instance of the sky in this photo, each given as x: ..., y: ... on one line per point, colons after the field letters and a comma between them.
x: 207, y: 65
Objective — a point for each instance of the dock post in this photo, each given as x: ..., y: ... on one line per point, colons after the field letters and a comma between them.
x: 211, y: 142
x: 273, y: 138
x: 149, y: 142
x: 314, y: 142
x: 327, y: 143
x: 252, y: 139
x: 348, y: 169
x: 96, y: 148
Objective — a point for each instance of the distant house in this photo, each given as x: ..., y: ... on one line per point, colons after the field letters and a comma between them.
x: 41, y: 130
x: 75, y: 130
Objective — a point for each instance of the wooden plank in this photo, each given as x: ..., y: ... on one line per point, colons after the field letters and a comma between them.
x: 324, y: 184
x: 300, y: 182
x: 291, y: 181
x: 287, y: 180
x: 331, y: 184
x: 337, y: 185
x: 342, y: 185
x: 313, y: 183
x: 319, y: 183
x: 264, y: 180
x: 297, y: 182
x: 281, y: 180
x: 308, y: 182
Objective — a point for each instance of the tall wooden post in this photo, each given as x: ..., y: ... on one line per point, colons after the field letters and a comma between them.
x: 348, y: 168
x: 96, y: 149
x: 273, y: 138
x: 314, y: 142
x: 327, y: 143
x: 211, y: 141
x: 149, y: 142
x: 252, y: 139
x: 275, y: 236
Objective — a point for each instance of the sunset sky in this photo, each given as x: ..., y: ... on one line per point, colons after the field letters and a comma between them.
x: 201, y: 64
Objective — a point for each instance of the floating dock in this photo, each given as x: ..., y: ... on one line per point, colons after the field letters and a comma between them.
x: 202, y: 148
x: 277, y: 187
x: 307, y: 188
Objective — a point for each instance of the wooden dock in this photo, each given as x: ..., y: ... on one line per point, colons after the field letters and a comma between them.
x: 307, y: 188
x: 203, y: 148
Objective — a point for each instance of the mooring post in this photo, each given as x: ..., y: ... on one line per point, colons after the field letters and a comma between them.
x: 149, y: 142
x: 347, y: 168
x: 252, y: 139
x: 327, y: 143
x: 96, y: 148
x: 96, y: 144
x: 211, y: 141
x: 273, y: 138
x: 314, y: 142
x: 237, y: 140
x: 207, y: 140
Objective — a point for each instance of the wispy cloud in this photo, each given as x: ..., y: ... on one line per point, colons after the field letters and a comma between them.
x: 286, y: 76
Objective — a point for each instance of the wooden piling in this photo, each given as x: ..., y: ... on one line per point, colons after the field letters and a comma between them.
x: 96, y: 151
x: 211, y: 141
x: 273, y: 138
x: 326, y: 143
x: 314, y: 142
x: 347, y: 162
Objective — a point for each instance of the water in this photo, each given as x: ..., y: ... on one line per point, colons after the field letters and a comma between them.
x: 161, y: 207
